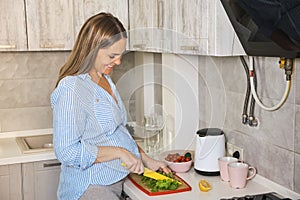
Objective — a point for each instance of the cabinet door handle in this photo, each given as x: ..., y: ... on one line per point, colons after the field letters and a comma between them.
x: 52, y: 46
x: 160, y: 18
x: 139, y: 46
x: 7, y: 46
x: 193, y: 48
x: 51, y: 164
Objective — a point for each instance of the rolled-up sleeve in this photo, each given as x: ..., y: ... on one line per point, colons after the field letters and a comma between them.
x: 69, y: 123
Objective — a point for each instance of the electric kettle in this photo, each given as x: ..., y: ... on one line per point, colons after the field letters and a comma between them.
x: 210, y: 145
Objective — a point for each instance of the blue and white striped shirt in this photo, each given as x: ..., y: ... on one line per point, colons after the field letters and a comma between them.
x: 86, y: 116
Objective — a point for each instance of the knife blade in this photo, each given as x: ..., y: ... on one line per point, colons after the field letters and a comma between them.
x: 157, y: 176
x: 154, y: 175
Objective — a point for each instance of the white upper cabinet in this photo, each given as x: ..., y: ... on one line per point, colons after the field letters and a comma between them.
x: 43, y: 25
x: 13, y: 26
x: 198, y: 27
x: 50, y: 24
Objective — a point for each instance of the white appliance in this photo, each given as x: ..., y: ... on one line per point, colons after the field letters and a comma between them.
x: 210, y: 145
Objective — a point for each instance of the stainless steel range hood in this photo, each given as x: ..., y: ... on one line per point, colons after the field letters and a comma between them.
x: 268, y: 28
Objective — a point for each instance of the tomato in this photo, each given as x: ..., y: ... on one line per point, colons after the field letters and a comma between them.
x: 176, y: 157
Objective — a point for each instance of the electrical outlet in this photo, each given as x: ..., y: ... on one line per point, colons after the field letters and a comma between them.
x: 241, y: 151
x: 231, y: 148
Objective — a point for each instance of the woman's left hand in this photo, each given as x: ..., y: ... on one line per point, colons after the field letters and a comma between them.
x: 156, y: 165
x: 152, y: 163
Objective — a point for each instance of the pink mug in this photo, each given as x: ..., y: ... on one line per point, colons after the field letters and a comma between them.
x: 223, y: 166
x: 238, y: 174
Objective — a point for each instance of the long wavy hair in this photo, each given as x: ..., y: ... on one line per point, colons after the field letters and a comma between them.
x: 98, y: 32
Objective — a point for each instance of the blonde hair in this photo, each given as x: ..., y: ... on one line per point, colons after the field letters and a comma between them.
x: 98, y: 32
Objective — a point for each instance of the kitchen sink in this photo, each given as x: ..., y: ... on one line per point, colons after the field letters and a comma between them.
x: 33, y: 144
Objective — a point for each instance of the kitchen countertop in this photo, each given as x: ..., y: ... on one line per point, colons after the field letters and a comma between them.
x: 10, y: 153
x: 220, y: 189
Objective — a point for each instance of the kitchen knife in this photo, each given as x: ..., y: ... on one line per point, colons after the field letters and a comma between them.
x: 157, y: 176
x: 154, y: 175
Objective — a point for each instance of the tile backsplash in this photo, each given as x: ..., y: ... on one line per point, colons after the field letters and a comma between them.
x: 273, y: 147
x: 27, y: 80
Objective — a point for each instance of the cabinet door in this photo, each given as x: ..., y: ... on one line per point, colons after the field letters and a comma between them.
x: 224, y: 42
x: 192, y: 26
x: 11, y: 182
x: 204, y: 29
x: 119, y: 8
x: 13, y: 26
x: 143, y: 22
x: 167, y: 23
x: 152, y: 25
x: 40, y: 180
x: 50, y: 24
x: 84, y: 9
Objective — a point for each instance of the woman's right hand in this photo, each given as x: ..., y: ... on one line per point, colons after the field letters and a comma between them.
x: 131, y: 162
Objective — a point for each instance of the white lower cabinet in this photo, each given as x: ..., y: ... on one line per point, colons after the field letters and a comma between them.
x: 40, y: 180
x: 11, y: 182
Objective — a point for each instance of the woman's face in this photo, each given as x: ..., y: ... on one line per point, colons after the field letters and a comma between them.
x: 109, y: 57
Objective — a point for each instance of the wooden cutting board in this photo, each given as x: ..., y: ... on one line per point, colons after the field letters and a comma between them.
x: 137, y: 181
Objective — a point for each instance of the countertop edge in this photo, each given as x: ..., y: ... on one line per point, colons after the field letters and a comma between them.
x: 270, y: 186
x: 13, y: 134
x: 34, y: 157
x: 276, y: 187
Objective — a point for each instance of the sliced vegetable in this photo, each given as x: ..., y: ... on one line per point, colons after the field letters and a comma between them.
x: 156, y: 185
x: 188, y: 155
x: 176, y: 157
